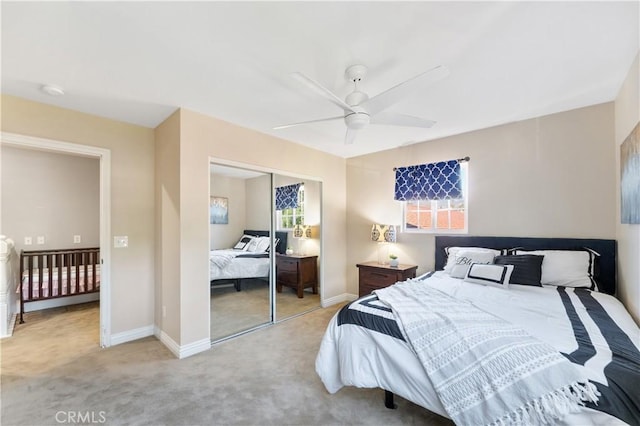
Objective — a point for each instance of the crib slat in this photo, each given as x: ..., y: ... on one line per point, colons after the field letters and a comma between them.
x: 77, y: 259
x: 30, y: 269
x: 40, y: 276
x: 49, y: 274
x: 59, y: 263
x: 93, y: 271
x: 68, y: 264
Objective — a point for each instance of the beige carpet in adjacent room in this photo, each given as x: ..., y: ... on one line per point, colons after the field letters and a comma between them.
x: 53, y: 365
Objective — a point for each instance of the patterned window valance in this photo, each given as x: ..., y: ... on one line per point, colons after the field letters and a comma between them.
x: 434, y: 181
x: 287, y: 196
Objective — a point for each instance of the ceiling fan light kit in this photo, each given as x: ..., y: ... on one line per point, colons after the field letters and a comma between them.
x: 360, y: 110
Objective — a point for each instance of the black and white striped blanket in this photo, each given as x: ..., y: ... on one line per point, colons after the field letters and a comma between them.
x: 484, y: 369
x: 591, y: 330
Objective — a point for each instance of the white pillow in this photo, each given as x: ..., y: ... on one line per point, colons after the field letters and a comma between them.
x: 566, y: 268
x: 259, y: 244
x: 464, y: 258
x: 492, y: 275
x: 243, y: 242
x: 451, y: 254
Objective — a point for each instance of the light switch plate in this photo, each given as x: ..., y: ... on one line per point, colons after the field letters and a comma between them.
x: 28, y: 241
x: 121, y: 241
x: 40, y: 240
x: 76, y: 239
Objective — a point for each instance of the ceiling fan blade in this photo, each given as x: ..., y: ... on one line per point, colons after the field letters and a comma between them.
x: 350, y: 136
x: 401, y: 120
x: 284, y: 126
x: 410, y: 87
x: 322, y: 91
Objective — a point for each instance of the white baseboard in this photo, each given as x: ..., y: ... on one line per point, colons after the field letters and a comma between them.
x: 195, y: 347
x: 10, y: 327
x: 341, y: 298
x: 182, y: 351
x: 130, y: 335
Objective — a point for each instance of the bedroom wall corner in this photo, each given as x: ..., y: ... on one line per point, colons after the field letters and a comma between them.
x: 627, y: 116
x: 167, y: 228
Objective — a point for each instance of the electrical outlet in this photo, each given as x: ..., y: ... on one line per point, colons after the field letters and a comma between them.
x: 77, y: 239
x: 40, y: 240
x: 28, y: 241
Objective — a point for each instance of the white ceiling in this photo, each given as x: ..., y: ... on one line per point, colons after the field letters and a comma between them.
x: 138, y: 61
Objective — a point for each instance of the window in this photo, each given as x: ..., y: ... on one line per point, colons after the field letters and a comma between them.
x: 435, y: 215
x: 442, y: 216
x: 288, y: 217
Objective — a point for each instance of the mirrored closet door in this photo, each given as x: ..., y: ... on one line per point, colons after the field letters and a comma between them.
x: 298, y: 214
x: 257, y: 278
x: 240, y: 256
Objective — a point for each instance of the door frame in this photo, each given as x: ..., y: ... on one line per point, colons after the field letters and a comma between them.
x: 104, y: 155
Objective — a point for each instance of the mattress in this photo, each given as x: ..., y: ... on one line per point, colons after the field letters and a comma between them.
x: 73, y: 282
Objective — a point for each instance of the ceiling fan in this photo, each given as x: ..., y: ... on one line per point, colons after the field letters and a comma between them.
x: 360, y: 110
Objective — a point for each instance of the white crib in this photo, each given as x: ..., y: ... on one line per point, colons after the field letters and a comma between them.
x: 8, y: 283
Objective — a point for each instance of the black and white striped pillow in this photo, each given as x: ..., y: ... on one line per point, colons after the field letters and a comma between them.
x: 527, y: 268
x: 243, y: 243
x: 492, y: 275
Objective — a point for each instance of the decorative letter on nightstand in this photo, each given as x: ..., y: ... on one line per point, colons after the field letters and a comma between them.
x: 373, y: 276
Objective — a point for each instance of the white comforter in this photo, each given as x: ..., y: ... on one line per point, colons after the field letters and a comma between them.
x: 351, y: 355
x: 232, y: 264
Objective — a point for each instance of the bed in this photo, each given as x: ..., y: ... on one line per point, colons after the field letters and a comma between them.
x: 231, y: 266
x: 52, y: 274
x: 400, y: 338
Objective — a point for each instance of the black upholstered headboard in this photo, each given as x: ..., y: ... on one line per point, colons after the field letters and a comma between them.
x: 281, y: 247
x: 605, y: 266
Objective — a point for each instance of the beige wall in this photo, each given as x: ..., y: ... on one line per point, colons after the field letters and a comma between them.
x: 627, y: 113
x: 203, y: 137
x: 234, y: 189
x: 132, y: 196
x: 258, y: 208
x: 167, y: 226
x: 551, y: 176
x: 52, y: 195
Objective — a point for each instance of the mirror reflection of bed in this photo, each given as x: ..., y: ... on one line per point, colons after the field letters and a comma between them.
x: 240, y: 257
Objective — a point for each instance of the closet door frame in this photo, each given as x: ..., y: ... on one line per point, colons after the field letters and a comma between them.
x: 272, y: 284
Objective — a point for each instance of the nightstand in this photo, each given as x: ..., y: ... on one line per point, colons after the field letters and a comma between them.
x: 297, y: 271
x: 372, y: 275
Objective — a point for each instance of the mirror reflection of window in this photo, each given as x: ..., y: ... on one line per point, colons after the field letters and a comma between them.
x: 292, y: 216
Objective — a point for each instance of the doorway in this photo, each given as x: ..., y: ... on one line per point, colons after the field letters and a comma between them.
x: 104, y: 157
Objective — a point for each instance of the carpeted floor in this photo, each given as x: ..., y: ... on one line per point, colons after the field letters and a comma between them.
x: 53, y: 372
